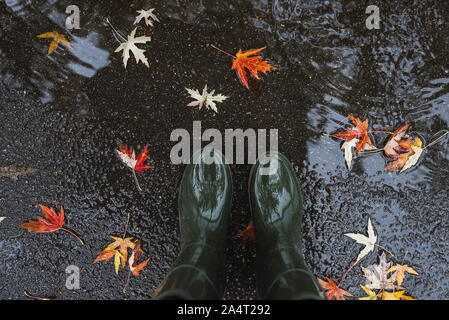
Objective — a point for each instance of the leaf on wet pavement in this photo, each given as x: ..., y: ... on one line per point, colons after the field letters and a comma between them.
x: 133, y: 266
x: 120, y: 255
x: 148, y: 15
x: 371, y: 294
x: 130, y: 45
x: 332, y: 290
x: 2, y: 218
x: 396, y: 295
x: 254, y: 64
x: 57, y: 38
x: 206, y: 99
x: 401, y: 269
x: 376, y: 275
x: 51, y: 222
x: 128, y: 156
x: 14, y: 171
x: 368, y: 241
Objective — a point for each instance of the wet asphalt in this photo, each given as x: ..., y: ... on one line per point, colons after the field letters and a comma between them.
x: 67, y: 127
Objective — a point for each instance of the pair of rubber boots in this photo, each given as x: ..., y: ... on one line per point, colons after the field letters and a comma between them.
x: 204, y: 206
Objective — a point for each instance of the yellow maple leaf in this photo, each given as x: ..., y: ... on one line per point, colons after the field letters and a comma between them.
x: 57, y: 37
x: 371, y: 294
x: 397, y: 295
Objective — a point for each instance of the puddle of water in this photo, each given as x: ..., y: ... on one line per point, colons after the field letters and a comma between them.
x: 391, y: 76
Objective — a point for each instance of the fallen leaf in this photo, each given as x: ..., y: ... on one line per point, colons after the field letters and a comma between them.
x: 333, y: 290
x: 133, y: 266
x: 51, y: 222
x: 409, y: 156
x: 348, y: 146
x: 369, y: 242
x: 36, y: 297
x: 360, y: 131
x: 391, y: 148
x: 254, y: 64
x: 14, y: 172
x: 130, y: 45
x: 416, y: 153
x: 128, y: 156
x: 120, y: 255
x: 371, y: 294
x: 206, y: 99
x: 396, y: 295
x: 2, y: 218
x: 148, y: 15
x: 249, y: 232
x: 376, y: 275
x: 401, y: 269
x: 57, y: 37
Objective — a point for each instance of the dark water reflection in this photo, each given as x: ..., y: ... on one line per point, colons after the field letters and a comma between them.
x: 391, y: 76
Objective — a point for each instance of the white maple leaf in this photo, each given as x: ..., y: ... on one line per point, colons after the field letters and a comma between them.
x: 129, y: 161
x: 369, y: 242
x: 2, y: 218
x: 376, y: 275
x: 413, y: 159
x: 148, y: 15
x: 130, y: 45
x: 206, y: 99
x: 348, y: 146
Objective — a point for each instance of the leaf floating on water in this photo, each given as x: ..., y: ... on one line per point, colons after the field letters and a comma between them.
x: 57, y: 38
x: 130, y: 45
x: 148, y: 15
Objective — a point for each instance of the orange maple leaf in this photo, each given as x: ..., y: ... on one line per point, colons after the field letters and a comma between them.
x: 401, y: 269
x: 51, y: 222
x: 359, y: 131
x: 254, y: 64
x: 403, y: 151
x: 57, y: 37
x: 333, y: 290
x: 120, y: 255
x: 392, y: 148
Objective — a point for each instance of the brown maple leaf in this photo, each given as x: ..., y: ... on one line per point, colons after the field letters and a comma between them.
x: 51, y: 222
x: 333, y: 290
x: 57, y: 38
x: 249, y: 232
x: 133, y: 266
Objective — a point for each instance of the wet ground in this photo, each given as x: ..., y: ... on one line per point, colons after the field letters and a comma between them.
x: 63, y: 115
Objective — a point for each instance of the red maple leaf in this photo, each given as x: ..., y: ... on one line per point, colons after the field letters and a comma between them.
x: 359, y: 131
x: 51, y: 222
x: 133, y: 266
x: 333, y: 290
x: 128, y: 156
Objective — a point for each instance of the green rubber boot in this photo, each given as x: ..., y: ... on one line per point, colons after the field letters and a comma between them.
x: 204, y: 205
x: 276, y: 206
